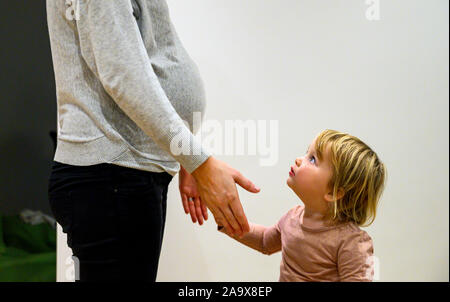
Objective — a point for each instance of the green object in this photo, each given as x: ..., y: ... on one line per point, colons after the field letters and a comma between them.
x: 27, y: 252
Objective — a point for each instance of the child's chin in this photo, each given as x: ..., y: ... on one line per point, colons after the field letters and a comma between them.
x: 288, y: 182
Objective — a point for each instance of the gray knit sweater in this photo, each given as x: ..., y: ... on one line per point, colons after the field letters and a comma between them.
x: 125, y: 86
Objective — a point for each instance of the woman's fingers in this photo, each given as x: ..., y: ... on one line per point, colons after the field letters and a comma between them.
x: 245, y: 182
x: 220, y: 219
x: 198, y: 210
x: 204, y: 209
x: 236, y: 227
x: 194, y: 207
x: 192, y: 211
x: 238, y: 211
x: 216, y: 184
x: 185, y: 203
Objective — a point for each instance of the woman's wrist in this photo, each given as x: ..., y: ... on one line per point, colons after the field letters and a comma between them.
x: 183, y: 171
x: 204, y: 166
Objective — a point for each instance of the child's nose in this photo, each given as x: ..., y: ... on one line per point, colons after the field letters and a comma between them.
x: 298, y: 161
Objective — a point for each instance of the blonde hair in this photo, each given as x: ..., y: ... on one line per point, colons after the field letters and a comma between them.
x: 358, y: 171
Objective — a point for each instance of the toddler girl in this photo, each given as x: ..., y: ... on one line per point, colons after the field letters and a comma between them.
x: 340, y: 181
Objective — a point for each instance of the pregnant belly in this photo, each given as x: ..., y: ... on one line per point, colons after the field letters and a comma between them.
x: 183, y: 86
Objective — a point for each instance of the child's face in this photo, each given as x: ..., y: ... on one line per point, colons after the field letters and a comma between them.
x: 309, y: 178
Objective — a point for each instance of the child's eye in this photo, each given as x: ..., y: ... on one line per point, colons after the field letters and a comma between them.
x: 313, y: 158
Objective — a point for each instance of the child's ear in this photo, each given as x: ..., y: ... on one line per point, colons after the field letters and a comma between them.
x: 329, y: 195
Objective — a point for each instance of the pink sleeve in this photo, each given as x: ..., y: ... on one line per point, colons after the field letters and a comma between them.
x: 267, y: 240
x: 355, y: 258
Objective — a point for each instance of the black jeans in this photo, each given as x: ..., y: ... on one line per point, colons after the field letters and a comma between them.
x: 114, y: 219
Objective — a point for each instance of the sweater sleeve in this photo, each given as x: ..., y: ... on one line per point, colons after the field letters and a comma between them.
x: 113, y: 49
x: 266, y: 240
x: 355, y: 258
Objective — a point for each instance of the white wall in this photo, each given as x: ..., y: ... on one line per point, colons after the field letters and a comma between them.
x: 313, y: 65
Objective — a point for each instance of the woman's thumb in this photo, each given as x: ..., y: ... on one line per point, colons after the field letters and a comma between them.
x: 246, y: 183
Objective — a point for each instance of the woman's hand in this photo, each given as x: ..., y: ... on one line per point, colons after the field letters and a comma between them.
x: 216, y: 184
x: 190, y: 198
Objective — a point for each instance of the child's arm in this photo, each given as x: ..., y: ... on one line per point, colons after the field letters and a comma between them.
x: 267, y: 240
x: 355, y: 258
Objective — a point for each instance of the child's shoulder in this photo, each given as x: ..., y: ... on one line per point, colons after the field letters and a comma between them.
x: 351, y: 233
x: 294, y: 211
x: 291, y: 215
x: 352, y: 228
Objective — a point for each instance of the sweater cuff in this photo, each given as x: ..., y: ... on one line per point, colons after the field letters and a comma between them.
x: 196, y: 156
x: 192, y: 162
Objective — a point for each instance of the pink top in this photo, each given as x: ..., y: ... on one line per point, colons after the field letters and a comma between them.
x: 312, y: 251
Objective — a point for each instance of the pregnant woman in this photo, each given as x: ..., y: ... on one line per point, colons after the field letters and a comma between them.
x: 124, y: 86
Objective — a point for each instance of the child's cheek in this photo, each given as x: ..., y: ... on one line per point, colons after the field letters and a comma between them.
x: 303, y: 178
x: 298, y: 178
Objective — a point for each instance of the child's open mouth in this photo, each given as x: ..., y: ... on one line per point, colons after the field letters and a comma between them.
x: 291, y: 173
